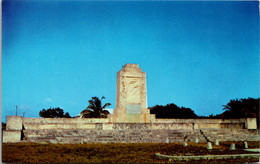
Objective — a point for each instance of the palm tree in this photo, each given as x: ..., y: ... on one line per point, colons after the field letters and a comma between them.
x: 95, y: 109
x: 241, y: 108
x: 233, y: 109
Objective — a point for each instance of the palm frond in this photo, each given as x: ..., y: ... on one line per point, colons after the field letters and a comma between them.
x: 106, y: 105
x: 95, y: 109
x: 92, y: 104
x: 86, y: 111
x: 105, y: 112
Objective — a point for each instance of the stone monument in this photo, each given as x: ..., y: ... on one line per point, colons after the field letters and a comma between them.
x: 131, y: 96
x: 130, y: 114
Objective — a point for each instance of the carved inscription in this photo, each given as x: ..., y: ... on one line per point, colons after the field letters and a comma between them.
x: 133, y: 109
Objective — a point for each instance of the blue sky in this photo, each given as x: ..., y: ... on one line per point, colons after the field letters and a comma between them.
x: 61, y: 53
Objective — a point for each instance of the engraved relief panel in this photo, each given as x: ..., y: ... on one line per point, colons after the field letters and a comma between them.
x: 133, y: 90
x: 123, y: 87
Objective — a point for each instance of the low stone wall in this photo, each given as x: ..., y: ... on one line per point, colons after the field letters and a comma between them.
x: 14, y: 122
x: 12, y: 136
x: 19, y: 123
x: 206, y: 157
x: 16, y: 125
x: 209, y: 123
x: 152, y: 126
x: 251, y: 123
x: 64, y: 120
x: 63, y: 123
x: 241, y: 120
x: 90, y: 123
x: 71, y: 126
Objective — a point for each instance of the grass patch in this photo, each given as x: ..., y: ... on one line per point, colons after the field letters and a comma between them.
x: 110, y: 153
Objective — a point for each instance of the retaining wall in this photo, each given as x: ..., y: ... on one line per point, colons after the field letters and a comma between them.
x: 63, y: 120
x: 210, y: 123
x: 102, y: 123
x: 17, y: 124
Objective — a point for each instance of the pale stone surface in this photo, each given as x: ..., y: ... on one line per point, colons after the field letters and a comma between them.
x: 14, y: 123
x: 216, y: 142
x: 60, y: 126
x: 195, y: 126
x: 251, y: 123
x: 167, y: 140
x: 245, y: 145
x: 201, y: 121
x: 107, y: 126
x: 64, y: 120
x: 202, y: 125
x: 207, y: 123
x: 232, y: 147
x: 131, y: 97
x: 209, y: 145
x: 75, y: 123
x: 206, y: 157
x: 12, y: 136
x: 208, y: 126
x: 253, y: 150
x: 231, y: 134
x: 133, y: 133
x: 53, y: 141
x: 83, y: 125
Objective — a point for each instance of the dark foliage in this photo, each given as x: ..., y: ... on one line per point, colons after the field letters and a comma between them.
x: 172, y: 111
x: 54, y: 113
x: 242, y: 108
x: 211, y: 116
x: 3, y: 126
x: 239, y: 108
x: 95, y: 109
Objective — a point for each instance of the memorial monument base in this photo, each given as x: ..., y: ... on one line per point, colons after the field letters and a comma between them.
x: 103, y: 130
x: 131, y: 118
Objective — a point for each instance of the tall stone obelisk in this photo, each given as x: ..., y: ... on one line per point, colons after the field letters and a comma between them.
x: 131, y: 97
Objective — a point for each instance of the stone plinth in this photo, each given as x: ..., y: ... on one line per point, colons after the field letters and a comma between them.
x: 131, y: 97
x: 251, y: 123
x: 12, y: 136
x: 14, y: 123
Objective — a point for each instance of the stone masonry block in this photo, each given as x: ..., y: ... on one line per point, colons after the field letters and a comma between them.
x: 12, y: 136
x: 14, y: 123
x: 107, y: 126
x: 251, y: 123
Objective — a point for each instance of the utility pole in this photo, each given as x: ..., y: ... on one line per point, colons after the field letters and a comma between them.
x: 16, y: 109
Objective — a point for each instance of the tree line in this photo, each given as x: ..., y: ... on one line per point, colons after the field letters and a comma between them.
x: 172, y: 111
x: 235, y: 108
x: 93, y: 110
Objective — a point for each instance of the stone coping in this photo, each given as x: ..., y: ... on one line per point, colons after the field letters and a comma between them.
x: 253, y: 150
x: 206, y: 157
x: 202, y: 120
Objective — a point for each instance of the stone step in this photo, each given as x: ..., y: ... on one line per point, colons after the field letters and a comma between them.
x: 134, y: 135
x: 230, y: 134
x: 81, y: 136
